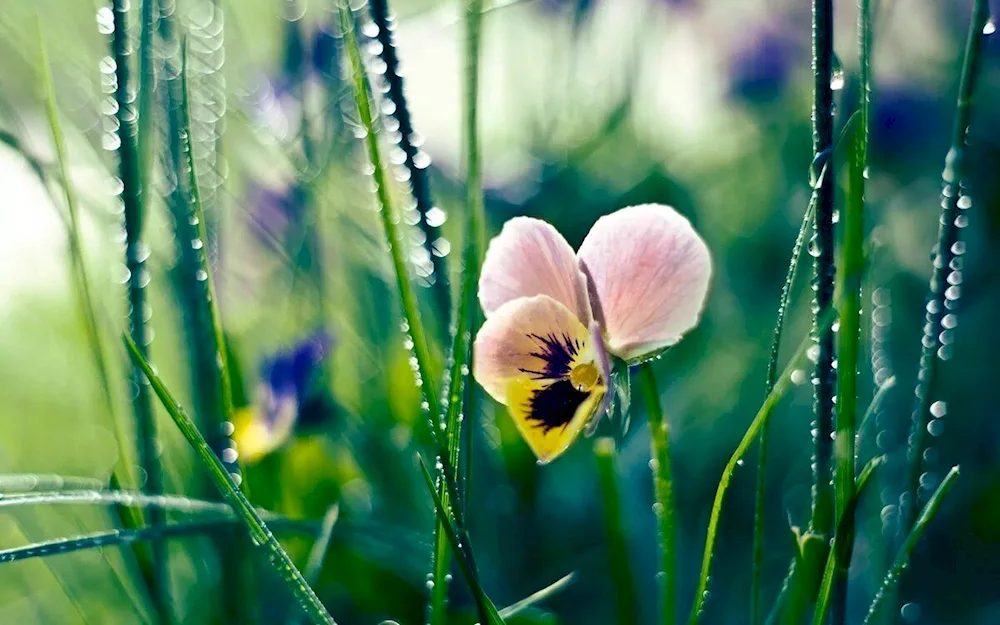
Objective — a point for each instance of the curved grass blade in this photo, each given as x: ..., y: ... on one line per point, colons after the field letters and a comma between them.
x: 413, y: 323
x: 903, y: 556
x: 215, y: 350
x: 621, y: 571
x: 840, y: 550
x: 81, y: 275
x: 942, y: 296
x: 417, y: 163
x: 663, y: 492
x: 258, y: 530
x: 123, y: 537
x: 772, y: 374
x: 458, y: 539
x: 537, y: 597
x: 763, y: 414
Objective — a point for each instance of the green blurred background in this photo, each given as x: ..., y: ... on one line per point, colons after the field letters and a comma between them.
x: 587, y: 106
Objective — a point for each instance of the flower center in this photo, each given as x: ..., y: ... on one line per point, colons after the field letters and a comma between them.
x: 584, y: 376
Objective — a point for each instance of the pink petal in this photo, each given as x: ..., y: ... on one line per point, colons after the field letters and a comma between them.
x: 649, y: 271
x: 529, y: 257
x: 507, y: 346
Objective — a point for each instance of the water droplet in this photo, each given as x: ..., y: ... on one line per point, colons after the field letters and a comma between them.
x: 958, y: 248
x: 961, y: 221
x: 435, y: 217
x: 837, y: 79
x: 798, y: 376
x: 935, y: 427
x: 939, y: 409
x: 964, y: 202
x: 910, y: 612
x: 989, y: 28
x: 814, y: 250
x: 201, y: 275
x: 739, y: 462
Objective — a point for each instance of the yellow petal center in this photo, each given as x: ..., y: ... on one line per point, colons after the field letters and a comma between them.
x: 584, y: 376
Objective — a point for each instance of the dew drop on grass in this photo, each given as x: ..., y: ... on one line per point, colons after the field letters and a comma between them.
x: 989, y: 28
x: 935, y: 427
x: 837, y: 79
x: 939, y: 409
x: 910, y: 612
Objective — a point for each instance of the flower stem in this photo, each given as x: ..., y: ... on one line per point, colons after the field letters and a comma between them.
x: 663, y: 493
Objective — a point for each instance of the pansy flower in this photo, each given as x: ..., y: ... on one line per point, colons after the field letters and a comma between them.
x: 555, y: 319
x: 284, y: 392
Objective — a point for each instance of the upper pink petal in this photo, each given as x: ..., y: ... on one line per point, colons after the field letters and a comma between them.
x: 529, y: 257
x: 650, y: 272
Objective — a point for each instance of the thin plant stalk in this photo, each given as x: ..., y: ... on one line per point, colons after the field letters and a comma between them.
x: 536, y: 597
x: 317, y: 554
x: 466, y: 314
x: 849, y: 347
x: 756, y: 610
x: 840, y: 552
x: 123, y: 537
x: 943, y: 297
x: 416, y: 162
x: 763, y: 414
x: 260, y: 534
x: 821, y: 518
x: 626, y: 599
x: 458, y: 539
x: 136, y: 251
x: 663, y: 493
x: 927, y: 514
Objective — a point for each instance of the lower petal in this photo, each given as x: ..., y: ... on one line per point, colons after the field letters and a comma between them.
x: 536, y: 338
x: 550, y: 416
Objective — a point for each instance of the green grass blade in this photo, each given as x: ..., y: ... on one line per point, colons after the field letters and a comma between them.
x: 620, y: 570
x: 953, y: 190
x: 136, y: 252
x: 81, y: 275
x: 840, y: 551
x: 204, y: 275
x: 663, y: 493
x: 416, y: 161
x: 123, y: 537
x: 849, y: 345
x: 537, y: 597
x: 772, y: 374
x: 260, y: 535
x: 458, y: 539
x: 414, y: 325
x: 318, y: 553
x: 913, y: 537
x: 780, y: 388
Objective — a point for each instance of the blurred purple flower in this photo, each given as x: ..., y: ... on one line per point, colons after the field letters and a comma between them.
x: 273, y: 210
x: 907, y: 121
x: 760, y: 69
x: 285, y: 389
